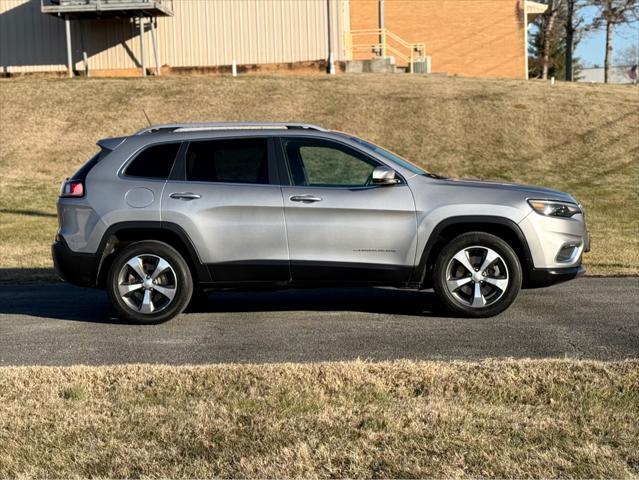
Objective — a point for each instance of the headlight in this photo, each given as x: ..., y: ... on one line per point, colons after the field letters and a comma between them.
x: 553, y: 208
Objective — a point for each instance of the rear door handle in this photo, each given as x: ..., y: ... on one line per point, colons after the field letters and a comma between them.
x: 305, y: 198
x: 185, y: 196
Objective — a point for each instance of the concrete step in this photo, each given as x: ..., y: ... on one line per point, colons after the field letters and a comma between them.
x: 380, y: 65
x: 374, y: 65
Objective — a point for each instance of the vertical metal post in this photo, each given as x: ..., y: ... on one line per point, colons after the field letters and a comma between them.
x: 384, y: 43
x: 85, y: 59
x: 329, y: 34
x: 67, y: 28
x: 156, y: 53
x: 382, y: 28
x: 526, y: 71
x: 142, y: 57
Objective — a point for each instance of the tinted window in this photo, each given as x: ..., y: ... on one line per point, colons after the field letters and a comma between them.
x: 154, y: 162
x: 326, y: 164
x: 230, y: 161
x: 84, y: 170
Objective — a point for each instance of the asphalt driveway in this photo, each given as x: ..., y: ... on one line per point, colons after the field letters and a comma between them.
x: 58, y: 324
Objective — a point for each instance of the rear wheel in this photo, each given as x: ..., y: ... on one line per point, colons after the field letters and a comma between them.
x: 149, y: 282
x: 477, y: 275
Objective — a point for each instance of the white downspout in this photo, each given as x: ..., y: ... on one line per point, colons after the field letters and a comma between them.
x: 526, y: 72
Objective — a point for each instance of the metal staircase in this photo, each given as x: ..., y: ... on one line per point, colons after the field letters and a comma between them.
x: 382, y: 44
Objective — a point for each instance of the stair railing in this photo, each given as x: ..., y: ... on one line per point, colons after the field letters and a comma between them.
x: 385, y: 44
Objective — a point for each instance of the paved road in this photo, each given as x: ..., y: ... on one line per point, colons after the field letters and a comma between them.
x: 58, y: 324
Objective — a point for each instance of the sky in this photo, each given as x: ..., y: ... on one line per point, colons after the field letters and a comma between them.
x: 592, y: 48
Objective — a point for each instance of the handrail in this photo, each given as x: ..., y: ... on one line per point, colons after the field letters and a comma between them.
x: 416, y: 51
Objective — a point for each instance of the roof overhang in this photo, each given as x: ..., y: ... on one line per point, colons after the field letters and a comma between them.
x: 534, y: 9
x: 108, y: 8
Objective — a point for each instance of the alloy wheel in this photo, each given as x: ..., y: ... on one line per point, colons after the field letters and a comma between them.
x: 477, y: 276
x: 147, y: 283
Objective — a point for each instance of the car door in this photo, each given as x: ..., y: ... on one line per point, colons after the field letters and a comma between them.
x: 341, y: 228
x: 225, y: 194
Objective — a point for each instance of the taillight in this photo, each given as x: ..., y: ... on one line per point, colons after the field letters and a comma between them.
x: 72, y: 188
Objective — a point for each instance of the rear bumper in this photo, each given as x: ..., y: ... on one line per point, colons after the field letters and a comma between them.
x: 76, y: 268
x: 544, y: 277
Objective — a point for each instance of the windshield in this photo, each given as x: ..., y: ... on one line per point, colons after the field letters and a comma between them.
x: 394, y: 158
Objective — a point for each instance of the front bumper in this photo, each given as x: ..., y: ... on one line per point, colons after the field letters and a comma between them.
x: 76, y: 268
x: 555, y: 243
x: 544, y: 277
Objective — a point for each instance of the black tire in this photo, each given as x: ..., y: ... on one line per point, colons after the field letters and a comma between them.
x: 180, y: 283
x: 501, y: 299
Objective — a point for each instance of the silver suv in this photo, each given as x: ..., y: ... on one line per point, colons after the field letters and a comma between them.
x: 171, y: 212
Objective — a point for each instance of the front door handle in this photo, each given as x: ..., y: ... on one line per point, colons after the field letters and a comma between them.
x: 185, y: 196
x: 305, y: 198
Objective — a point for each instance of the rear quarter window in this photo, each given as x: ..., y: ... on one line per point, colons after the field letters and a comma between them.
x: 84, y: 170
x: 155, y: 161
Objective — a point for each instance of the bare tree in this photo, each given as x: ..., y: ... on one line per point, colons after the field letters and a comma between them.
x: 548, y: 26
x: 573, y: 21
x: 628, y: 56
x: 612, y: 13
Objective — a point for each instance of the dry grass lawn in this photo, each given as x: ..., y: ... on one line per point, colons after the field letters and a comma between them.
x: 578, y: 138
x: 549, y: 418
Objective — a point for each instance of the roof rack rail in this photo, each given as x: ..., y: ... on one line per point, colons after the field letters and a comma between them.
x: 197, y: 127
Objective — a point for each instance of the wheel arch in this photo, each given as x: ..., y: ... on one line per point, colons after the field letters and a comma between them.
x: 123, y: 233
x: 449, y: 228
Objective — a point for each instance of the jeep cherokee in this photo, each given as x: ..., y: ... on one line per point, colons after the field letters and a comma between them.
x: 176, y: 210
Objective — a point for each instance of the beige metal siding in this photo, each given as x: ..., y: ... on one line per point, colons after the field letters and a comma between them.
x: 29, y: 40
x: 201, y: 33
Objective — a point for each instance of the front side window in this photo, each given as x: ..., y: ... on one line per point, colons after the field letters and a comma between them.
x: 326, y: 164
x: 155, y: 161
x: 229, y: 161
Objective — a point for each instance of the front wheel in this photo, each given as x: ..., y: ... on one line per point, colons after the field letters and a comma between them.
x: 149, y: 282
x: 477, y: 275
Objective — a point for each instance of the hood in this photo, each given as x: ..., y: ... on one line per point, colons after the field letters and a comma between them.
x: 530, y: 191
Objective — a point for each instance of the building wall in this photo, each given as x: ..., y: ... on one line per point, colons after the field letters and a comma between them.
x: 617, y: 74
x: 201, y: 33
x: 480, y: 38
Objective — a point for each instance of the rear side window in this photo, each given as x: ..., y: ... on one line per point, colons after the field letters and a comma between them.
x: 229, y: 161
x: 154, y: 162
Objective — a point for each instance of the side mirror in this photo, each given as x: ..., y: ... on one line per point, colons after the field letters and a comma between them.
x: 384, y: 176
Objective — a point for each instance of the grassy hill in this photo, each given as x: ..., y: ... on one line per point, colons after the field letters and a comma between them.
x: 578, y: 138
x: 492, y: 419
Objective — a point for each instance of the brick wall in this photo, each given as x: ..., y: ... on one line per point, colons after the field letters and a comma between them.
x: 478, y: 38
